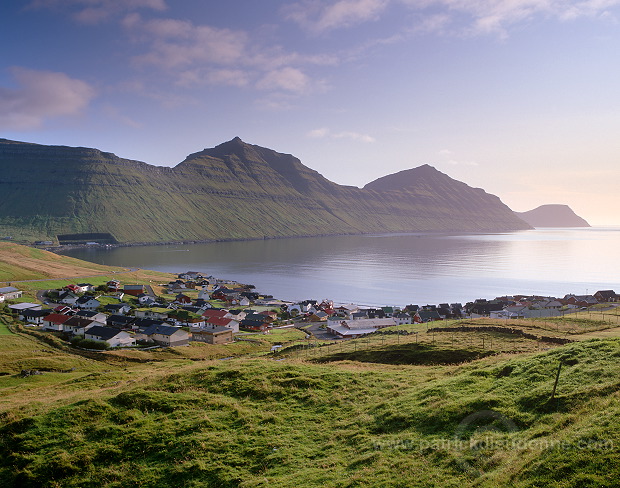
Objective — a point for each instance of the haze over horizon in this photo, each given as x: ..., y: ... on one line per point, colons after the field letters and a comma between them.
x: 517, y: 97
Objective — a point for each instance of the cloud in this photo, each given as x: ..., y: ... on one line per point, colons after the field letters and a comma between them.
x: 456, y: 17
x: 321, y: 16
x: 288, y: 79
x: 478, y: 17
x: 324, y: 132
x: 177, y: 44
x: 41, y: 95
x: 96, y: 11
x: 196, y: 54
x: 318, y: 133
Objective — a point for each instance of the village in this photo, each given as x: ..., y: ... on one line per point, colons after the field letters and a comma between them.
x: 205, y: 309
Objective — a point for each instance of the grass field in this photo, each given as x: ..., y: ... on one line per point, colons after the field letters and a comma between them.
x: 395, y: 410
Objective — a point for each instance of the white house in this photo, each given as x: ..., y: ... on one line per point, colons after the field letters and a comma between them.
x: 87, y: 303
x: 114, y: 337
x: 358, y: 328
x: 167, y: 335
x: 68, y: 298
x: 10, y: 293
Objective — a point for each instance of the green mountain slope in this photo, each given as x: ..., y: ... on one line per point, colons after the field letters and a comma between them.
x: 233, y: 191
x: 258, y: 423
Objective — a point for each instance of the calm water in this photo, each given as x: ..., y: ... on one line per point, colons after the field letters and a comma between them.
x: 397, y: 269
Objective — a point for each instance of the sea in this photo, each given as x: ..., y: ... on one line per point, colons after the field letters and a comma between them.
x: 396, y: 269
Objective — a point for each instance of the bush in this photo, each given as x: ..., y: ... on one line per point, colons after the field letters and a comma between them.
x: 89, y: 343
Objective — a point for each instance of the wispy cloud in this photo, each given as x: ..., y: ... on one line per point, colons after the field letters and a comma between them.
x: 319, y: 16
x: 460, y: 17
x: 195, y: 54
x: 324, y: 132
x: 448, y: 157
x: 96, y: 11
x: 41, y: 95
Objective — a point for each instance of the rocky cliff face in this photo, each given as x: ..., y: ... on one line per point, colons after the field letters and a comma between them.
x: 233, y: 191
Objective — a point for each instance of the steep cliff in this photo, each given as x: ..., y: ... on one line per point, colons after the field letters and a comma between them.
x: 233, y: 191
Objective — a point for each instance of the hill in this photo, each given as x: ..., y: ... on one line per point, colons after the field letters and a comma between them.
x: 252, y: 422
x: 233, y: 191
x: 19, y: 262
x: 553, y: 216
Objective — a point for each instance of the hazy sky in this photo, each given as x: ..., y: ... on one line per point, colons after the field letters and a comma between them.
x: 519, y: 97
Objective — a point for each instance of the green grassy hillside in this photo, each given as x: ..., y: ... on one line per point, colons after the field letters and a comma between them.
x: 319, y: 420
x: 19, y: 262
x: 233, y: 191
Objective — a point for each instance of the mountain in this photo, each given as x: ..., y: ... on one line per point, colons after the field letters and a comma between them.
x: 553, y: 216
x: 232, y: 191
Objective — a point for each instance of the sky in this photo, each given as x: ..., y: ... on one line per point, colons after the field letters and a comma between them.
x: 518, y: 97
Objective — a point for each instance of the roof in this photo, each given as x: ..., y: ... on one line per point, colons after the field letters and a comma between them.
x: 87, y: 313
x: 35, y: 313
x: 167, y: 330
x: 213, y: 313
x: 76, y: 321
x: 24, y: 306
x: 56, y: 318
x: 104, y: 332
x: 85, y: 299
x: 120, y: 319
x: 219, y: 321
x: 8, y: 289
x: 345, y: 331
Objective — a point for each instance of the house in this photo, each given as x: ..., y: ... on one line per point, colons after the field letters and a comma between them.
x: 133, y: 290
x: 146, y: 300
x: 215, y: 335
x: 34, y: 317
x: 182, y: 299
x: 423, y: 316
x: 68, y: 298
x: 113, y: 285
x: 87, y: 302
x: 113, y: 337
x: 85, y: 287
x: 64, y: 310
x: 10, y: 293
x: 229, y: 323
x: 20, y: 307
x: 55, y: 321
x: 580, y: 300
x: 92, y: 315
x: 143, y: 324
x: 157, y: 313
x: 604, y: 296
x: 79, y: 325
x: 119, y: 321
x: 190, y: 275
x: 117, y: 308
x: 402, y: 318
x: 351, y: 329
x: 167, y: 335
x: 255, y: 325
x: 73, y: 288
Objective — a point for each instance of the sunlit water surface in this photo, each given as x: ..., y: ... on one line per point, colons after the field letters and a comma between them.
x: 397, y: 269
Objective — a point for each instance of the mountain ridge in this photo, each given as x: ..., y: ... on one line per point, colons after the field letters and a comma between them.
x: 553, y: 215
x: 234, y: 190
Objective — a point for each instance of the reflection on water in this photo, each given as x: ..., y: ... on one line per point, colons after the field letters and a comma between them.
x: 397, y: 269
